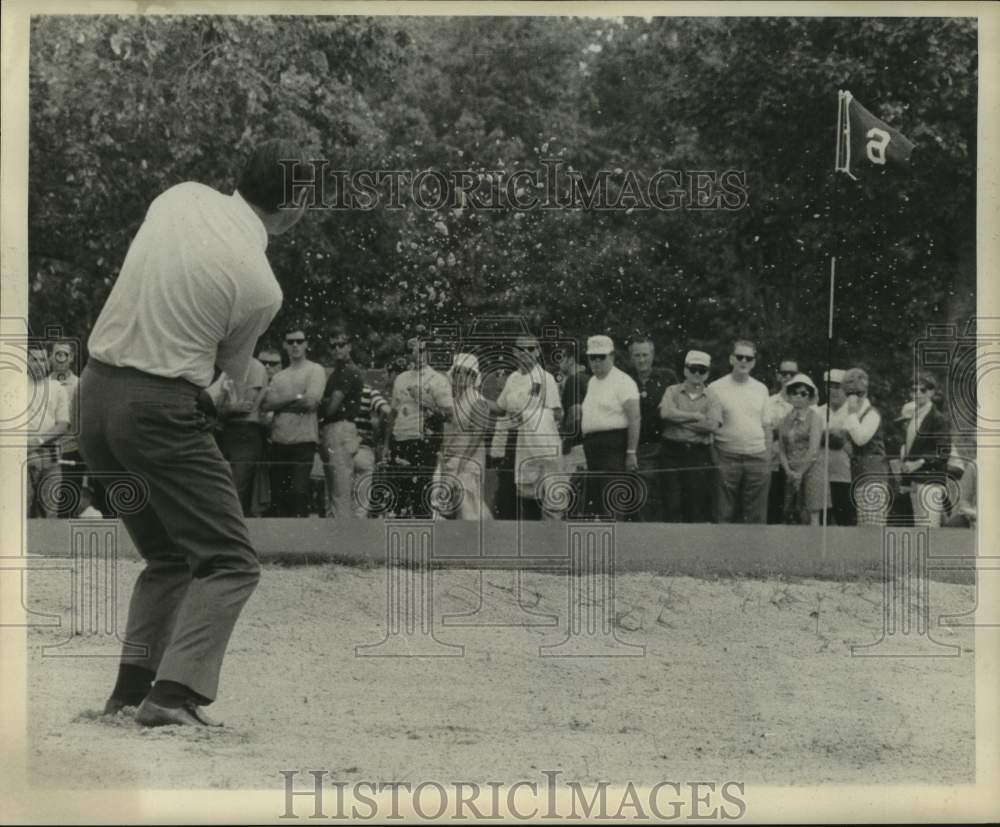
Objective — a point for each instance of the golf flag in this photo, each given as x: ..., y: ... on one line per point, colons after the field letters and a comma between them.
x: 866, y: 143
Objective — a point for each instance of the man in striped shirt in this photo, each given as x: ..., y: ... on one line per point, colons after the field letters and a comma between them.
x: 372, y: 414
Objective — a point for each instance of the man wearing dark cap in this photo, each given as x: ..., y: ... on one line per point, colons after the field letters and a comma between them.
x: 194, y: 293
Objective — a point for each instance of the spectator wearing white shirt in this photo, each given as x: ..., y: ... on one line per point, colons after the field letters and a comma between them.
x: 530, y: 398
x: 610, y: 423
x: 869, y: 467
x: 743, y: 441
x: 462, y: 461
x: 294, y: 396
x: 48, y: 421
x: 62, y: 359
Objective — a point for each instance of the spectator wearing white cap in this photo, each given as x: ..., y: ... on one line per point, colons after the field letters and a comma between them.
x: 463, y: 446
x: 610, y: 424
x: 690, y: 416
x: 800, y: 435
x: 530, y: 398
x: 838, y: 442
x: 743, y: 441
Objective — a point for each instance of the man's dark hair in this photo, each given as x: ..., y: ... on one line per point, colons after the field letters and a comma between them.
x: 266, y: 182
x: 641, y: 339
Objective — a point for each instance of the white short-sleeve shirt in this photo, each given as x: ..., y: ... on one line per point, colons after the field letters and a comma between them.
x: 744, y: 415
x: 604, y: 403
x: 195, y: 291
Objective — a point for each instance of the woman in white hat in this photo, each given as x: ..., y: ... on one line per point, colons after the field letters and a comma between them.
x: 463, y: 446
x: 799, y: 436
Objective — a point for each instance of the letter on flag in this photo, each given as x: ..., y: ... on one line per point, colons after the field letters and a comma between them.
x: 864, y: 141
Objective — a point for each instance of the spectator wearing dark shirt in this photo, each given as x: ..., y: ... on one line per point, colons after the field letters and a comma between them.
x: 572, y: 390
x: 652, y: 384
x: 690, y: 416
x: 339, y: 439
x: 925, y: 459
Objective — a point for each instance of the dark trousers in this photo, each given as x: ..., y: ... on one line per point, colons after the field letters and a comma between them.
x: 74, y: 472
x: 842, y: 510
x: 650, y: 458
x: 200, y: 566
x: 244, y: 446
x: 776, y: 498
x: 688, y: 482
x: 291, y: 466
x: 743, y: 481
x: 605, y: 453
x: 420, y: 456
x: 505, y: 500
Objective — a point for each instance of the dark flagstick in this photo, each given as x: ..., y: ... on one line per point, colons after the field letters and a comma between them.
x: 843, y: 139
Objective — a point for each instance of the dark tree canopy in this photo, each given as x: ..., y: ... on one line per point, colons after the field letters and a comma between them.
x: 122, y: 108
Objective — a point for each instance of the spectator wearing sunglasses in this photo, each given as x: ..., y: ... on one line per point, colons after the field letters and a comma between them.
x: 778, y: 407
x: 340, y: 441
x: 610, y: 424
x: 800, y: 434
x: 530, y: 400
x: 294, y: 395
x: 925, y: 458
x: 869, y: 467
x: 270, y: 358
x: 743, y: 440
x: 690, y: 416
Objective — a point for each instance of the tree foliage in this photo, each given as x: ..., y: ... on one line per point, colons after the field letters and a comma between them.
x: 124, y: 107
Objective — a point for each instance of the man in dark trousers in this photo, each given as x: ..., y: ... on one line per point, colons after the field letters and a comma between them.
x: 652, y: 383
x: 193, y: 295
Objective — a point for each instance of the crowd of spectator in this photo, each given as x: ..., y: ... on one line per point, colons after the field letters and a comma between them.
x: 524, y: 432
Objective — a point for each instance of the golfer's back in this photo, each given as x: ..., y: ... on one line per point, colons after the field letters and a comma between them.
x: 195, y: 289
